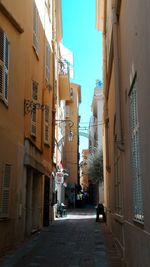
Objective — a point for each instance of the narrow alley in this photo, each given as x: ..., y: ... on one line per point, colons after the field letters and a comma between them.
x: 72, y: 241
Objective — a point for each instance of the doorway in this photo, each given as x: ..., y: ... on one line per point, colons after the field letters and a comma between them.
x: 46, y: 201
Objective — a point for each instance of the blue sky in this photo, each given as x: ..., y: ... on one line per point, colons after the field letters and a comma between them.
x: 82, y: 38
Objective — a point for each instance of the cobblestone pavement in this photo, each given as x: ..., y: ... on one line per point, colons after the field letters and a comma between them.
x: 74, y: 241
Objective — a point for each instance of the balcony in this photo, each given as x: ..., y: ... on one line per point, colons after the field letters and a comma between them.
x: 64, y: 81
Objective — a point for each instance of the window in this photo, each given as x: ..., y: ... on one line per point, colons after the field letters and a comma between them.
x: 35, y: 29
x: 34, y: 111
x: 117, y: 173
x: 71, y: 93
x: 4, y: 192
x: 47, y: 64
x: 67, y: 111
x: 48, y: 7
x: 135, y: 155
x: 46, y: 124
x: 118, y: 185
x: 4, y: 62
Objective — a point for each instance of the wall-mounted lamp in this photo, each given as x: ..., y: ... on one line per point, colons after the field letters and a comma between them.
x: 30, y: 106
x: 70, y: 122
x: 69, y: 133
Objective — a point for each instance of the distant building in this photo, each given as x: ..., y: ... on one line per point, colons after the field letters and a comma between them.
x: 96, y: 121
x: 96, y: 131
x: 84, y: 179
x: 71, y: 143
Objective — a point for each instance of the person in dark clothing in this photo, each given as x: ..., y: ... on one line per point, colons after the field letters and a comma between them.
x: 100, y: 211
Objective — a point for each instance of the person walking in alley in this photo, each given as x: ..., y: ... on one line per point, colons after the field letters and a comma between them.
x: 100, y: 211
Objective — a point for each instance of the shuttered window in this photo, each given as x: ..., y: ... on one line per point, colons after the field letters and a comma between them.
x: 46, y: 124
x: 35, y: 28
x: 4, y: 192
x: 67, y: 111
x: 47, y: 63
x: 118, y: 184
x: 4, y: 63
x: 48, y: 7
x: 135, y: 155
x: 34, y: 111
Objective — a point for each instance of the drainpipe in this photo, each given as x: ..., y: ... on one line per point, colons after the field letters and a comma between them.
x: 120, y: 143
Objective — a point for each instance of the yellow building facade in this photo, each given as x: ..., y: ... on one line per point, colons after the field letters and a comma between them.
x: 84, y: 179
x: 29, y: 31
x: 71, y: 147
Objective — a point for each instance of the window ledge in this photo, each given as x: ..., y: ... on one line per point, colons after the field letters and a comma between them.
x: 48, y: 85
x: 119, y: 218
x: 47, y: 144
x: 138, y: 222
x: 4, y: 219
x: 36, y: 52
x: 4, y: 102
x: 11, y: 18
x: 33, y: 136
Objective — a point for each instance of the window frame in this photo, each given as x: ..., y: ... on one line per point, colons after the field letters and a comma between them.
x: 67, y: 111
x: 5, y: 192
x: 47, y: 63
x: 137, y: 187
x: 46, y: 124
x: 34, y: 111
x: 48, y: 5
x: 4, y: 65
x: 118, y: 185
x: 35, y: 41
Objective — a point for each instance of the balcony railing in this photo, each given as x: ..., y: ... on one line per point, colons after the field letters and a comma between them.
x: 63, y: 67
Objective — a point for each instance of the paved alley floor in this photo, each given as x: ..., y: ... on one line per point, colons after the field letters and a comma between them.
x: 74, y: 241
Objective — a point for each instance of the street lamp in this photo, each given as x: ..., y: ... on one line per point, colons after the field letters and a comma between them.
x: 70, y: 124
x: 30, y: 106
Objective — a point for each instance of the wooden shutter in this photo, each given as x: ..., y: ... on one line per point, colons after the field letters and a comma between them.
x: 46, y: 124
x: 47, y: 63
x: 67, y: 111
x: 35, y: 28
x: 48, y: 7
x: 6, y: 58
x: 1, y: 63
x: 33, y: 122
x: 4, y: 62
x: 34, y: 111
x: 34, y: 91
x: 1, y: 79
x: 4, y: 196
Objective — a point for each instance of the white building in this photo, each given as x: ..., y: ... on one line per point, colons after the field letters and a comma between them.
x: 96, y: 125
x: 95, y: 128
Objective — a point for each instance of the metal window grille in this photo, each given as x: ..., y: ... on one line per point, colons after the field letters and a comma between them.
x: 4, y: 192
x: 135, y: 155
x: 4, y: 63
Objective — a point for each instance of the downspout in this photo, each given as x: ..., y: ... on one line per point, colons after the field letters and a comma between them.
x: 120, y: 142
